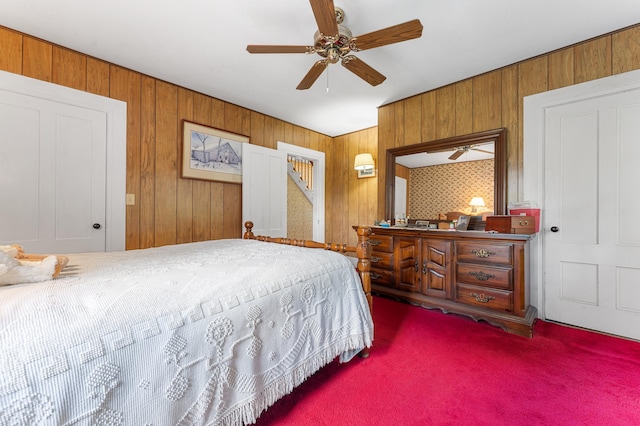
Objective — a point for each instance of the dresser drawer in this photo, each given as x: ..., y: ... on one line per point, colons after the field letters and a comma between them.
x: 381, y: 260
x: 483, y: 297
x: 484, y: 252
x: 381, y: 243
x: 485, y: 276
x: 382, y: 276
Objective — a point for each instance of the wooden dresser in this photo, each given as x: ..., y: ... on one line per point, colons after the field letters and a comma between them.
x: 473, y: 273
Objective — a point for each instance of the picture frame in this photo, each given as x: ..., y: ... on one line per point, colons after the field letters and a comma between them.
x: 366, y: 173
x: 463, y: 223
x: 211, y: 154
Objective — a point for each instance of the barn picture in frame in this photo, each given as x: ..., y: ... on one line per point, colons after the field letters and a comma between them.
x: 211, y: 154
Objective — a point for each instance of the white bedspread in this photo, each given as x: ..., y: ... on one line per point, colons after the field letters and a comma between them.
x: 201, y: 333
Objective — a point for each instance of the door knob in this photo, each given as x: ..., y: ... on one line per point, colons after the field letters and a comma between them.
x: 554, y: 229
x: 96, y: 226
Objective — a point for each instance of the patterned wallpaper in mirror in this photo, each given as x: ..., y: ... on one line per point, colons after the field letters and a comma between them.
x: 449, y: 188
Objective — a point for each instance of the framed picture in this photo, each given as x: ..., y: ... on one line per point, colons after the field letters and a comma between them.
x: 463, y: 223
x: 211, y: 154
x: 366, y: 173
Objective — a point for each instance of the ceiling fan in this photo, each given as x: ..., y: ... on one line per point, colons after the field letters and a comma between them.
x: 466, y: 148
x: 335, y: 42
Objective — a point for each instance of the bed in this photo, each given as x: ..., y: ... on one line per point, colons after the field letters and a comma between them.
x: 202, y: 333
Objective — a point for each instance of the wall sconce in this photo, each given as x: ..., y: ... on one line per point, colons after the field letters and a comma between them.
x: 364, y: 162
x: 364, y: 165
x: 475, y: 203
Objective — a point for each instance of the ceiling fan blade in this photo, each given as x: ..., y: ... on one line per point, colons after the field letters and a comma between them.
x: 325, y: 14
x: 313, y: 74
x: 401, y: 32
x: 456, y: 154
x: 362, y: 70
x: 265, y: 48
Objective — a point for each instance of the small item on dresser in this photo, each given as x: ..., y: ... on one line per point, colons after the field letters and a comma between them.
x: 511, y: 224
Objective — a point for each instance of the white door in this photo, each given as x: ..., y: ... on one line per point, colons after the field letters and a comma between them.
x: 264, y: 190
x: 592, y: 206
x: 52, y: 175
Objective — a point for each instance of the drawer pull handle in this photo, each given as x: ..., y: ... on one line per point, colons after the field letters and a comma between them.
x: 417, y: 266
x: 375, y: 276
x: 483, y: 253
x: 481, y: 276
x: 375, y: 242
x: 424, y: 266
x: 375, y: 259
x: 482, y: 298
x: 524, y: 222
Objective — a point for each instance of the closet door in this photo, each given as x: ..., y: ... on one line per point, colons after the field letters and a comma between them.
x: 264, y: 190
x: 52, y: 175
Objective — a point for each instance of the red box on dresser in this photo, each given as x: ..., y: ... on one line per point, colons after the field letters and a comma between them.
x: 511, y: 224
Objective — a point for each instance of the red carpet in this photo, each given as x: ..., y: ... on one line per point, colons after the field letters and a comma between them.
x: 428, y: 368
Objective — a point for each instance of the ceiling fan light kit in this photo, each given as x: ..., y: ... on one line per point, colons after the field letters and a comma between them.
x: 335, y: 42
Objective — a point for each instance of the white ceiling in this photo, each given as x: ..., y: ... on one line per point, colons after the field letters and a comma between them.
x: 200, y: 45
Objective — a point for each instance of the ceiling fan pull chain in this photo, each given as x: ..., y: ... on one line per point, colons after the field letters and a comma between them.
x: 327, y: 79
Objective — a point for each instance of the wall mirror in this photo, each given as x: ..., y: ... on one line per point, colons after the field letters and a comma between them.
x: 496, y: 137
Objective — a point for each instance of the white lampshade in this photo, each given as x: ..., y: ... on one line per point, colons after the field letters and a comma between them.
x: 364, y: 162
x: 477, y: 202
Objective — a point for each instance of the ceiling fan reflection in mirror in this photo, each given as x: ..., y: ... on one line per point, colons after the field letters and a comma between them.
x: 463, y: 149
x: 334, y: 42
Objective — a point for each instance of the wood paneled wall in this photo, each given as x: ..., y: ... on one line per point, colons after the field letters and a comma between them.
x: 350, y: 200
x: 168, y: 209
x: 495, y: 99
x: 171, y: 210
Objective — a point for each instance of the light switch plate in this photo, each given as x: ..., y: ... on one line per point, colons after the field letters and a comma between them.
x: 131, y: 199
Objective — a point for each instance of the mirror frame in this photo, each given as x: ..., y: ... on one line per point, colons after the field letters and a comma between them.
x: 497, y: 136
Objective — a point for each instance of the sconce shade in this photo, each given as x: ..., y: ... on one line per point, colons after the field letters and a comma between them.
x: 364, y: 162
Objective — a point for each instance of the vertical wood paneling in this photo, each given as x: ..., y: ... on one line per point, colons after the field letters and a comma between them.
x: 154, y: 110
x: 278, y: 133
x: 125, y: 86
x: 593, y: 59
x: 11, y: 57
x: 218, y: 113
x: 184, y: 223
x: 166, y: 163
x: 464, y: 107
x: 37, y: 59
x: 532, y: 78
x: 398, y: 137
x: 69, y: 68
x: 232, y: 220
x: 445, y: 112
x: 268, y: 132
x: 146, y: 198
x: 626, y: 50
x: 413, y: 121
x: 97, y: 77
x: 288, y: 132
x: 428, y: 121
x: 487, y: 101
x: 510, y: 120
x: 386, y: 122
x: 202, y: 111
x: 561, y: 68
x: 350, y: 215
x: 257, y: 128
